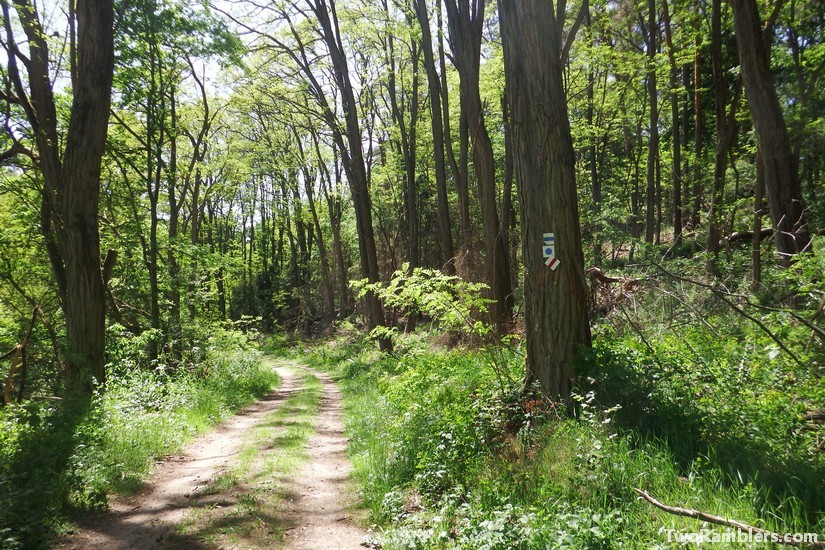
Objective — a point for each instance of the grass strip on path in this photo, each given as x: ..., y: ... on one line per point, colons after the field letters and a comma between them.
x: 241, y: 506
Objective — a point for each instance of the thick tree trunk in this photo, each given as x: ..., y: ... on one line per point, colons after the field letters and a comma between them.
x: 85, y: 143
x: 554, y: 300
x: 782, y: 186
x: 71, y: 189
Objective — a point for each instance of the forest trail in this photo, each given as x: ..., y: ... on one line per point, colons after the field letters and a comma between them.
x: 311, y: 509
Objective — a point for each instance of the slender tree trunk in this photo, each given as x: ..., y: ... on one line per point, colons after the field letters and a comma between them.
x: 758, y: 210
x: 507, y: 214
x: 171, y: 253
x: 653, y: 126
x: 725, y: 134
x: 555, y: 300
x: 434, y: 88
x: 460, y: 167
x: 465, y: 20
x: 354, y: 161
x: 697, y: 136
x: 592, y: 155
x: 327, y: 288
x: 676, y: 122
x: 686, y: 169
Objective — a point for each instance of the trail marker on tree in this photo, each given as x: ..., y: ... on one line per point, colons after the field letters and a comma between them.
x: 549, y: 251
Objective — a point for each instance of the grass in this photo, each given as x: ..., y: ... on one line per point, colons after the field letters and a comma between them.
x: 448, y: 458
x: 251, y: 493
x: 58, y: 460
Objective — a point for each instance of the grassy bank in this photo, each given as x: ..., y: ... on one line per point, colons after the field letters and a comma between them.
x: 447, y: 456
x: 60, y: 459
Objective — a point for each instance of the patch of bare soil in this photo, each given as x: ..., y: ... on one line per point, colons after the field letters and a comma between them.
x: 316, y: 511
x: 319, y: 506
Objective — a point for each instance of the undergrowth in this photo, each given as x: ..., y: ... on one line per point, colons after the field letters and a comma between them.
x: 58, y: 459
x: 701, y: 413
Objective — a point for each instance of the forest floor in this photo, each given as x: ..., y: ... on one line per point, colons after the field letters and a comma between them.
x: 274, y: 475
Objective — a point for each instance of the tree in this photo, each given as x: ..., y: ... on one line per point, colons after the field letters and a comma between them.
x: 437, y: 121
x: 70, y: 162
x: 555, y: 301
x: 653, y: 198
x: 781, y: 171
x: 465, y: 22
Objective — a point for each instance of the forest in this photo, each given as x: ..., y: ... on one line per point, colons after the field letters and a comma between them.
x: 563, y: 259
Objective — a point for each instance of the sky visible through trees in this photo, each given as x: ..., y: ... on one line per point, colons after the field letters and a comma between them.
x: 260, y: 156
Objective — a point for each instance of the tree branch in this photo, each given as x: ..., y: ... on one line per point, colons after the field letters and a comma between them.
x: 710, y: 518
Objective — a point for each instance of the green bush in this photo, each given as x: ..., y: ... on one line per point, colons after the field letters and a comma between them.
x: 59, y: 459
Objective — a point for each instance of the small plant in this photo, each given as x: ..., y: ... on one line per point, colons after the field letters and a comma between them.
x: 448, y: 301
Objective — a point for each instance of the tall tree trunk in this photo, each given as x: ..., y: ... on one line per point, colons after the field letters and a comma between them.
x: 592, y: 153
x: 676, y: 123
x: 407, y: 142
x: 726, y: 130
x: 555, y: 300
x: 71, y: 176
x: 175, y: 202
x: 327, y: 288
x: 507, y: 207
x: 335, y: 212
x: 697, y: 136
x: 653, y: 126
x: 354, y: 160
x: 434, y: 88
x: 758, y: 211
x: 782, y: 185
x: 459, y: 168
x: 465, y: 21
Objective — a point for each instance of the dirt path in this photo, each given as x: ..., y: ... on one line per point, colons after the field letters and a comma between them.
x: 318, y: 507
x: 315, y: 509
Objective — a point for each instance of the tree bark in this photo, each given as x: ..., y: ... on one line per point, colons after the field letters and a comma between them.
x: 676, y: 123
x: 434, y: 88
x: 697, y: 136
x: 354, y: 165
x: 465, y: 21
x: 653, y: 126
x: 782, y: 185
x: 758, y: 210
x: 71, y: 188
x: 726, y: 130
x: 554, y: 300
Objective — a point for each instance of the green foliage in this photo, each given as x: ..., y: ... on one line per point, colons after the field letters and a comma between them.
x: 449, y: 302
x: 57, y: 459
x: 445, y: 458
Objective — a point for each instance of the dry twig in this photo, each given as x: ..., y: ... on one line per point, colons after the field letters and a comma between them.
x: 710, y: 518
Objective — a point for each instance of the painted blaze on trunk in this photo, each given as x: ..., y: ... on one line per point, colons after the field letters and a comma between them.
x: 555, y: 300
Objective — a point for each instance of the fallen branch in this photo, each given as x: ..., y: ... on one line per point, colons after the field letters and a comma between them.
x: 710, y: 518
x: 744, y: 236
x: 724, y: 296
x: 817, y: 417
